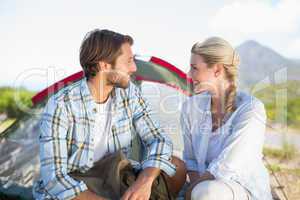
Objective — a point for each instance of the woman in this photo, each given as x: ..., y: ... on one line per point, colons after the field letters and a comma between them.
x: 223, y: 129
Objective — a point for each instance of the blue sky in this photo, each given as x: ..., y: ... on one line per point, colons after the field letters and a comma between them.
x: 40, y: 40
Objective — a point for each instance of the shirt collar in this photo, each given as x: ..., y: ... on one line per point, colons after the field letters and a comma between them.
x: 87, y: 98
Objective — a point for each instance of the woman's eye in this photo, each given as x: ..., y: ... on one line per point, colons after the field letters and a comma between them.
x: 193, y: 66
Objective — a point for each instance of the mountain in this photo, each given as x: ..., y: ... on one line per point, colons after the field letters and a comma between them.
x: 259, y: 62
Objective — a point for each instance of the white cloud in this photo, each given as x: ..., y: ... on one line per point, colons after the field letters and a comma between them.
x: 258, y: 17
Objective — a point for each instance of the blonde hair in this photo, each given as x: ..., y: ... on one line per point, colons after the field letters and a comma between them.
x: 217, y: 50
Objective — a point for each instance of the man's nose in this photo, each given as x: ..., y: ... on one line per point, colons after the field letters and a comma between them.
x: 133, y: 68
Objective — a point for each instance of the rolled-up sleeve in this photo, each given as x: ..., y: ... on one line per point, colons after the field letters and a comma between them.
x: 243, y: 147
x: 55, y: 180
x: 158, y: 145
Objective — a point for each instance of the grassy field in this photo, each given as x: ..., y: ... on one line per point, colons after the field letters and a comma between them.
x: 4, y: 125
x: 11, y: 101
x: 282, y: 103
x: 284, y: 167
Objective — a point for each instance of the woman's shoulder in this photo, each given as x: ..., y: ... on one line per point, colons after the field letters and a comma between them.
x: 247, y: 102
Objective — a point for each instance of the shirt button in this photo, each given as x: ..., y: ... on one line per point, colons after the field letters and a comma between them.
x: 94, y: 110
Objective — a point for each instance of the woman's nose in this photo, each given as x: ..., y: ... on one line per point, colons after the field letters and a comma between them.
x: 189, y: 74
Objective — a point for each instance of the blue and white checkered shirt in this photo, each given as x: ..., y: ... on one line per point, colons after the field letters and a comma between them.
x: 67, y: 137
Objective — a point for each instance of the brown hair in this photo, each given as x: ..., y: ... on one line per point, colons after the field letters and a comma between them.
x: 101, y: 45
x: 217, y: 50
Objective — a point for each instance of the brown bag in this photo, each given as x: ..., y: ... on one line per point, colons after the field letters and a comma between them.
x: 111, y: 176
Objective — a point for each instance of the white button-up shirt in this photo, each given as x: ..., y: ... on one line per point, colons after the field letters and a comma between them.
x: 233, y: 151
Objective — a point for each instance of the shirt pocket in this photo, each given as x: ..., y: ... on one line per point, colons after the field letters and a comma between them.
x: 123, y: 131
x: 81, y: 131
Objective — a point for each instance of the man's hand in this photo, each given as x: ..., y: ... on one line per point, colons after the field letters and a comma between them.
x: 141, y: 189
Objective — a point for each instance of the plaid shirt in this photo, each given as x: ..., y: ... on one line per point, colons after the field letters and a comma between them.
x: 67, y: 137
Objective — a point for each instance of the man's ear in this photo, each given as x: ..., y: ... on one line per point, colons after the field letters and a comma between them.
x: 104, y: 66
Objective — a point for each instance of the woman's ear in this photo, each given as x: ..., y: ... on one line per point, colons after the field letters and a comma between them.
x: 218, y: 69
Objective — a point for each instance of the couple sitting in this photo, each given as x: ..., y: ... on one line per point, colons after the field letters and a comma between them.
x: 99, y: 140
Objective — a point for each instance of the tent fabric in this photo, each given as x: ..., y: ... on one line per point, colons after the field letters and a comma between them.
x: 152, y: 70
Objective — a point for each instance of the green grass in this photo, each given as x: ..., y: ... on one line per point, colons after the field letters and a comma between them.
x: 276, y: 168
x: 279, y: 111
x: 13, y: 101
x: 4, y: 125
x: 287, y: 152
x: 273, y: 153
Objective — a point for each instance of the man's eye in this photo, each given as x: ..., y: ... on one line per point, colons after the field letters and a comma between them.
x: 130, y: 61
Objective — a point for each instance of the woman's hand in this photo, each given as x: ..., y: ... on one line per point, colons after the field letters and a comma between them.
x: 201, y: 87
x: 200, y: 178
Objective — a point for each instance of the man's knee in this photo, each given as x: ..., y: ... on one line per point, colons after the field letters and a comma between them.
x: 177, y: 181
x: 180, y: 167
x: 178, y: 163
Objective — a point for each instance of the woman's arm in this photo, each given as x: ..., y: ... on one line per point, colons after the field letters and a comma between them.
x: 243, y: 147
x: 195, y: 129
x: 188, y: 151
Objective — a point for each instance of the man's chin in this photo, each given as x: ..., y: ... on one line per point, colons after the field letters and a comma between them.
x: 116, y: 80
x: 123, y: 84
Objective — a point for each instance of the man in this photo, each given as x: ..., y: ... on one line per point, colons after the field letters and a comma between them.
x: 83, y: 121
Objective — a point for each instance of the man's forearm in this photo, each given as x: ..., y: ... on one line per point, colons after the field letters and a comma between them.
x: 149, y: 174
x: 88, y: 195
